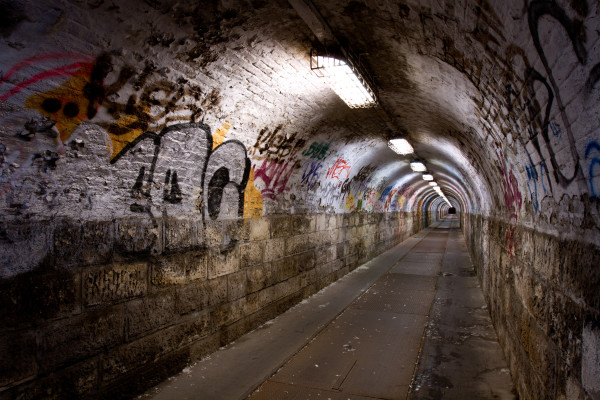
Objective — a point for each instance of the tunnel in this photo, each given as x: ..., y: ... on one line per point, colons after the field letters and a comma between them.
x: 176, y: 174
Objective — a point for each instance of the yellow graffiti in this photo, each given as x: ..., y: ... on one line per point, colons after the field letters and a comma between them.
x: 349, y: 203
x: 401, y: 201
x: 253, y: 202
x: 124, y: 131
x: 67, y: 104
x: 219, y: 135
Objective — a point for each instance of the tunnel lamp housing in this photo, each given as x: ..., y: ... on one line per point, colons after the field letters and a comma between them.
x: 417, y: 166
x: 427, y: 177
x: 344, y: 78
x: 432, y: 184
x: 401, y: 146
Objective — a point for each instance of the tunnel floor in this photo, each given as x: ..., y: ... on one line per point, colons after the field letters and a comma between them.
x: 411, y: 323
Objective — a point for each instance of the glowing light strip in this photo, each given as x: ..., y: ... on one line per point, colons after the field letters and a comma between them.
x: 346, y: 82
x: 401, y: 146
x: 417, y: 166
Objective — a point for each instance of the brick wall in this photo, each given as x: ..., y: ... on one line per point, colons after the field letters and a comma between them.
x: 107, y: 314
x: 543, y: 298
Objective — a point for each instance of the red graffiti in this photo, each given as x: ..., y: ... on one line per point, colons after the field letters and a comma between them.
x: 65, y: 70
x: 512, y: 199
x: 389, y: 198
x: 275, y: 175
x: 338, y: 168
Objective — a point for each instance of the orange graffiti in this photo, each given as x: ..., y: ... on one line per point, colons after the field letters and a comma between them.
x: 253, y: 202
x: 219, y: 135
x: 67, y: 104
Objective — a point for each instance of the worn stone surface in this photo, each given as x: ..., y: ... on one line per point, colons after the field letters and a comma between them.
x: 176, y: 127
x: 114, y: 283
x: 540, y: 318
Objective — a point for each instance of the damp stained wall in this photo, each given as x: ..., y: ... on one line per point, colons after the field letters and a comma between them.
x: 172, y: 174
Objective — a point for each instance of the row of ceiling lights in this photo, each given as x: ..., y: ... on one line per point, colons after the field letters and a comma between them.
x: 403, y: 147
x: 346, y: 80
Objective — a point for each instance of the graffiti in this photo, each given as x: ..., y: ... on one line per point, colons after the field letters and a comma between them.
x: 556, y: 131
x: 359, y: 182
x: 330, y: 194
x: 223, y: 170
x: 275, y: 176
x: 61, y: 106
x: 594, y: 162
x: 310, y: 175
x: 575, y: 31
x: 62, y: 71
x: 369, y: 198
x: 532, y: 180
x: 512, y: 200
x: 339, y: 167
x: 389, y: 204
x: 350, y: 203
x: 253, y: 203
x: 275, y: 145
x: 317, y: 150
x: 155, y: 103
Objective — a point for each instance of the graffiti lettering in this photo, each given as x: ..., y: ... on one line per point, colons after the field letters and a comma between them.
x: 310, y: 175
x: 225, y: 177
x: 339, y: 167
x: 275, y: 145
x: 84, y: 92
x: 275, y: 176
x: 221, y: 174
x: 317, y: 150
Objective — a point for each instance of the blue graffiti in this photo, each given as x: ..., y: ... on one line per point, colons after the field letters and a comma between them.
x: 532, y: 176
x: 542, y: 168
x: 595, y: 161
x: 385, y: 193
x: 555, y: 128
x: 532, y: 183
x: 310, y: 175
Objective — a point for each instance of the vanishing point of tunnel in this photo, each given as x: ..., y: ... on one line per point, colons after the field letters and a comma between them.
x: 187, y: 182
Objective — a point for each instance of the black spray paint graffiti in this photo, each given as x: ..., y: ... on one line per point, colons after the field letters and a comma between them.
x: 219, y: 175
x: 358, y: 183
x: 536, y: 11
x: 276, y: 145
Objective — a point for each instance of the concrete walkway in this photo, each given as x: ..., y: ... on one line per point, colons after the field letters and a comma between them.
x: 361, y: 337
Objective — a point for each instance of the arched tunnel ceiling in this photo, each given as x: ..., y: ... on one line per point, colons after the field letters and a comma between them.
x: 499, y: 99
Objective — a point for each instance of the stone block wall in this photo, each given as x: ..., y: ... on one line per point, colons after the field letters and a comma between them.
x: 117, y: 306
x: 544, y: 300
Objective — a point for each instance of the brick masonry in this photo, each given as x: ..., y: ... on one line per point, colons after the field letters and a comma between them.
x: 125, y: 323
x: 180, y: 160
x: 543, y: 298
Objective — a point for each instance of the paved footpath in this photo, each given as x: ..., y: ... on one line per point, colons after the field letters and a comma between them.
x: 411, y: 323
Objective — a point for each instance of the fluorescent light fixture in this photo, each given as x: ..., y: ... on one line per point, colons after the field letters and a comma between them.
x: 401, y: 146
x: 418, y: 166
x: 427, y: 177
x: 345, y: 80
x: 432, y: 184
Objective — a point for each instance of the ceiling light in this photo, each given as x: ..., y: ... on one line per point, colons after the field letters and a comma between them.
x: 427, y: 177
x: 345, y: 80
x: 432, y: 184
x: 401, y: 146
x: 418, y: 166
